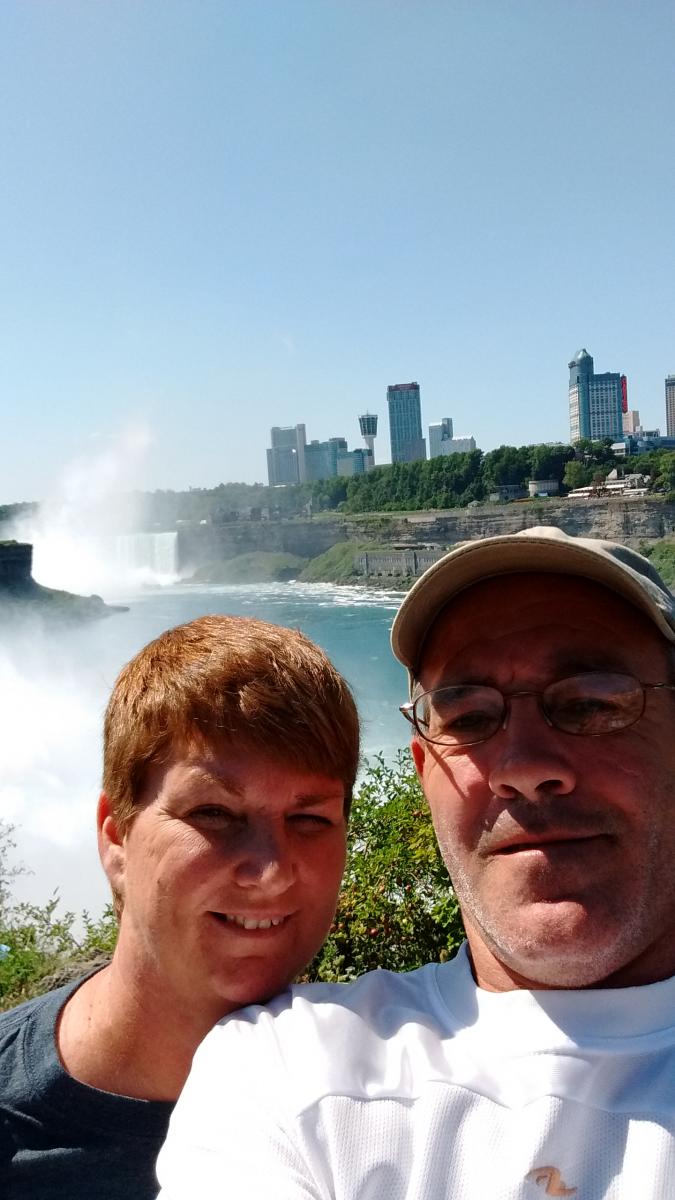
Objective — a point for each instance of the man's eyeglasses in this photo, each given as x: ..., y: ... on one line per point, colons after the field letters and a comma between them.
x: 585, y: 705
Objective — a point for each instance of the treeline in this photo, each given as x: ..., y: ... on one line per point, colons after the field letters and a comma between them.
x: 450, y: 481
x: 456, y: 480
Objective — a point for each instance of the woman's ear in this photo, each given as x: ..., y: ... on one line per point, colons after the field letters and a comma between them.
x: 111, y: 847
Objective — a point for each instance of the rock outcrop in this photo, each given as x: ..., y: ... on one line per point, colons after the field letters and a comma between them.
x: 22, y: 599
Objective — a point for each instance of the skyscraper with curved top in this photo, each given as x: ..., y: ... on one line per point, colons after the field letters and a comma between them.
x: 597, y: 402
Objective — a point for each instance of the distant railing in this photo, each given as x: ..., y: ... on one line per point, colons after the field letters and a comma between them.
x: 397, y: 562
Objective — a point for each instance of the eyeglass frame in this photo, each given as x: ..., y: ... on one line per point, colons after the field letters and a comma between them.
x: 408, y: 709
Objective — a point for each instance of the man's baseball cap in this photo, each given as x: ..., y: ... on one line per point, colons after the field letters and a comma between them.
x: 544, y: 548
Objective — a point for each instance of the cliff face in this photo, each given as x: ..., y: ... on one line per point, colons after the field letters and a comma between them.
x: 202, y: 544
x: 628, y: 521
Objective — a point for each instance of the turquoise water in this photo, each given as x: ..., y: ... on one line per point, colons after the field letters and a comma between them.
x: 53, y: 693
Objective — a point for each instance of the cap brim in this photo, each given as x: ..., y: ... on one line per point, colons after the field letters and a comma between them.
x: 509, y: 555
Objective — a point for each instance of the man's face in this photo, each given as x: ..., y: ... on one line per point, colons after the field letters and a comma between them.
x: 560, y: 847
x: 229, y: 875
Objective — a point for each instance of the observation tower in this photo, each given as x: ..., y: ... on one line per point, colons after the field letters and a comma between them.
x: 368, y: 427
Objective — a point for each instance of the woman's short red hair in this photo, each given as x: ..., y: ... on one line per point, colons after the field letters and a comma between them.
x: 224, y: 679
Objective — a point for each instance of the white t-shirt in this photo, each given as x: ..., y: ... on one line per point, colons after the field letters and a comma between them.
x: 425, y: 1087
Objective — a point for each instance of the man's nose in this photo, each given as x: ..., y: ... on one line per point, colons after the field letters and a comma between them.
x: 531, y: 758
x: 264, y: 860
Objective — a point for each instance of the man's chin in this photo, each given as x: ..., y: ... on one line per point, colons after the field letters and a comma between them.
x: 561, y: 947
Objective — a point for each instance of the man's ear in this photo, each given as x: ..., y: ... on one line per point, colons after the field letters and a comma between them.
x: 111, y: 848
x: 418, y: 754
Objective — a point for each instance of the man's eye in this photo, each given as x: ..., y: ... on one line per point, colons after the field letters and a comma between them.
x: 585, y: 707
x: 310, y: 821
x: 589, y: 715
x: 476, y: 719
x: 461, y: 720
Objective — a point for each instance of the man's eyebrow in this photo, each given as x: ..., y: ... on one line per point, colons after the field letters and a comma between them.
x: 595, y: 660
x: 312, y: 798
x: 557, y: 668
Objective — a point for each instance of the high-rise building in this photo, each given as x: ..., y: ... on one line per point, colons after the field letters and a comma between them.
x: 286, y: 455
x: 368, y: 427
x: 321, y: 458
x: 354, y: 462
x: 438, y: 434
x: 442, y: 441
x: 631, y: 421
x: 597, y: 402
x: 670, y: 406
x: 405, y: 422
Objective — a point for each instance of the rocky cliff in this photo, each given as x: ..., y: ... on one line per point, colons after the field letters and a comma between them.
x: 622, y: 520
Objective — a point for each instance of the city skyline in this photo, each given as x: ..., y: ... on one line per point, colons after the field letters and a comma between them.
x: 598, y: 408
x: 217, y: 219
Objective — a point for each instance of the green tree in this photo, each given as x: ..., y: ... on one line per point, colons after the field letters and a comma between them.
x: 663, y: 478
x: 397, y: 907
x: 577, y: 474
x: 507, y: 464
x: 549, y: 462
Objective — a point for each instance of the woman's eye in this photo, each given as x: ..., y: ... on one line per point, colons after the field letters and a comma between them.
x: 211, y: 814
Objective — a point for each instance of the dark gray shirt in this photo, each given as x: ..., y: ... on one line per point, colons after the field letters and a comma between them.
x: 60, y: 1139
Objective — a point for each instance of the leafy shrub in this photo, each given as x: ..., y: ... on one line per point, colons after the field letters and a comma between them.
x: 40, y: 946
x: 397, y: 908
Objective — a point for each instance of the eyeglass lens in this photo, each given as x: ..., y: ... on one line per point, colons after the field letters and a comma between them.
x: 586, y: 704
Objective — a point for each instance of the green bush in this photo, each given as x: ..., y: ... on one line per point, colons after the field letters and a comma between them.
x: 40, y: 947
x: 43, y: 950
x: 397, y: 908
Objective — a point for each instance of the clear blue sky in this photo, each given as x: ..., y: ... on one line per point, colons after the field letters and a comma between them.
x: 217, y: 216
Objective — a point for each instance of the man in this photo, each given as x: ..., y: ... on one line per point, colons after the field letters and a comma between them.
x: 541, y: 1061
x: 230, y: 752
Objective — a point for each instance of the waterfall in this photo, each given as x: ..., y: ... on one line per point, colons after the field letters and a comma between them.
x: 108, y: 564
x: 153, y: 553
